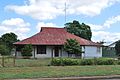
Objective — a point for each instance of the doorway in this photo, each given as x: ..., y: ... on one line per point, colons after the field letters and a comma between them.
x: 56, y: 52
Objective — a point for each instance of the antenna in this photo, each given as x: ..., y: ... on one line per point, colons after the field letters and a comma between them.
x: 65, y: 12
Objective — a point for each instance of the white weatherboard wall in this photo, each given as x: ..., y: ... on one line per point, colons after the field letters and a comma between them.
x: 92, y: 51
x: 47, y: 55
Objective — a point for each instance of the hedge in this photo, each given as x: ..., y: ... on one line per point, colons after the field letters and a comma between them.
x: 64, y: 61
x: 94, y: 61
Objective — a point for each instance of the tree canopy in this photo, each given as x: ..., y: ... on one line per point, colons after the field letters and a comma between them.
x: 72, y: 46
x: 8, y: 39
x: 117, y: 48
x: 81, y: 30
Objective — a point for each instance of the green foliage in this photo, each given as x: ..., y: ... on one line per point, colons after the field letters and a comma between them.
x: 118, y: 62
x: 4, y: 50
x: 8, y: 39
x: 117, y: 48
x: 69, y: 61
x: 94, y: 61
x: 27, y: 51
x: 86, y: 62
x: 81, y: 30
x: 72, y: 46
x: 64, y: 61
x: 104, y: 61
x: 56, y: 61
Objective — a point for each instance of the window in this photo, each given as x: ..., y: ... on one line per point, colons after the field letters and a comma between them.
x: 41, y: 49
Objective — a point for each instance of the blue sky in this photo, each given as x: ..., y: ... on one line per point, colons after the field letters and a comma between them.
x: 26, y: 17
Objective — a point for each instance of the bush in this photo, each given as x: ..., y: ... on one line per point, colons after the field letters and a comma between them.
x: 4, y: 50
x: 56, y: 62
x: 64, y: 61
x: 69, y: 61
x: 118, y: 62
x: 86, y: 62
x: 27, y: 51
x: 104, y: 61
x: 95, y: 61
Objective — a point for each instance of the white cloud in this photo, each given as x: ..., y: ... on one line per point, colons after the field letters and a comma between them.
x: 106, y: 36
x: 99, y: 31
x: 15, y: 22
x: 42, y: 24
x: 15, y: 25
x: 50, y: 9
x: 95, y: 27
x: 111, y: 21
x: 107, y: 24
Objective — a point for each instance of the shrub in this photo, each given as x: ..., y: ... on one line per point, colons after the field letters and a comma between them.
x: 86, y: 62
x: 118, y: 62
x: 75, y: 62
x: 104, y: 61
x: 27, y: 51
x: 69, y: 61
x: 56, y: 62
x: 64, y: 61
x: 4, y: 50
x: 95, y: 61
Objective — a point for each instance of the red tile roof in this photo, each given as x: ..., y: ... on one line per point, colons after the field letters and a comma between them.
x: 54, y: 36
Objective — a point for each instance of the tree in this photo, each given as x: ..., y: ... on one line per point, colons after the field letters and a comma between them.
x: 72, y: 47
x: 117, y: 48
x: 81, y: 30
x: 8, y: 39
x: 27, y: 51
x: 4, y: 50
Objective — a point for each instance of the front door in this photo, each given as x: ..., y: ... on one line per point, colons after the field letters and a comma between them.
x: 56, y: 53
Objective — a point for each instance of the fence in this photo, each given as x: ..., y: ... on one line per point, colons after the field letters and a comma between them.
x: 6, y: 61
x: 109, y: 52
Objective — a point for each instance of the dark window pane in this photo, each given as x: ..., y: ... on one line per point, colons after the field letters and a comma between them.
x: 41, y: 49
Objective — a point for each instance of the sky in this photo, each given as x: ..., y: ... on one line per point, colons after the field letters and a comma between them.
x: 26, y: 17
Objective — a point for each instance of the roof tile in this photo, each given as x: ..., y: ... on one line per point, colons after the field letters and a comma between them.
x: 54, y: 36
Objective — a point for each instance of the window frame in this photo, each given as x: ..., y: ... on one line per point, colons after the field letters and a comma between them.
x: 41, y: 49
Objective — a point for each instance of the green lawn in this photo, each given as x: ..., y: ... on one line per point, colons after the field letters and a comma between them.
x: 32, y: 62
x: 38, y: 68
x: 9, y: 62
x: 58, y: 71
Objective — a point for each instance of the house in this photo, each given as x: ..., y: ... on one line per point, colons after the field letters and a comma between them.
x: 49, y: 43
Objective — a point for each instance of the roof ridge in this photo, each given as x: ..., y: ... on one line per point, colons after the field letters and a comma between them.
x: 51, y: 28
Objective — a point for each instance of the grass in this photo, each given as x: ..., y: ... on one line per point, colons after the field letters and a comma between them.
x: 32, y: 62
x: 8, y: 62
x: 38, y: 68
x: 58, y: 71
